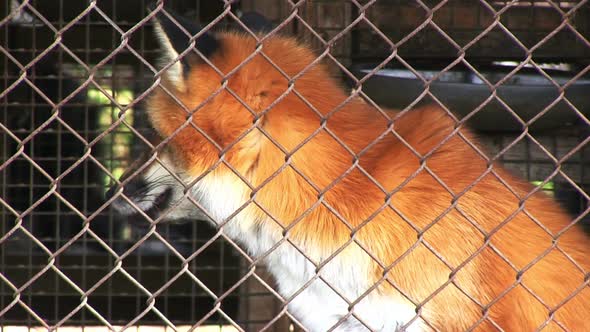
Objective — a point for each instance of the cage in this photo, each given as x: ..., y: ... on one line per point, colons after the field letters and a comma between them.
x: 75, y: 73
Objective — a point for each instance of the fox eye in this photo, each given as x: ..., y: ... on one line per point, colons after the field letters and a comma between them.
x: 263, y: 93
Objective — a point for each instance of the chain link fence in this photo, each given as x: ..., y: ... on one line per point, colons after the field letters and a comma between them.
x: 76, y: 78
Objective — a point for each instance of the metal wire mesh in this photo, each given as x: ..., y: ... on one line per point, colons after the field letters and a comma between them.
x: 75, y: 76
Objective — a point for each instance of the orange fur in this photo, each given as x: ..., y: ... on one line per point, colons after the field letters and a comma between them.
x: 485, y: 272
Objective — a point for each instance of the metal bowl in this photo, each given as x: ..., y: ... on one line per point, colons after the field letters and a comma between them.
x: 527, y: 93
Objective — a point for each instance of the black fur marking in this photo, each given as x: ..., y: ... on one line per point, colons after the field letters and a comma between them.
x: 256, y: 22
x: 207, y: 44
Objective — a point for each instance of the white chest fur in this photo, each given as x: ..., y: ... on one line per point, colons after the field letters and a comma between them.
x: 321, y: 303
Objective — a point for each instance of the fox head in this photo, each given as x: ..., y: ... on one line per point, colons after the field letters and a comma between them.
x: 226, y: 105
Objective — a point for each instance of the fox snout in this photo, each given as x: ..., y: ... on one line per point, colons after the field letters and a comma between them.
x: 155, y: 190
x: 147, y: 186
x: 139, y: 195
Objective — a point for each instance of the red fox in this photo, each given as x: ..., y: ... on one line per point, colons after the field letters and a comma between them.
x: 368, y: 221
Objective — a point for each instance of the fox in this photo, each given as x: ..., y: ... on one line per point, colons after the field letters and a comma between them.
x: 368, y: 218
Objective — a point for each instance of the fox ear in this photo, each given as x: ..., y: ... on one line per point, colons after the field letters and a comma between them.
x: 174, y: 33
